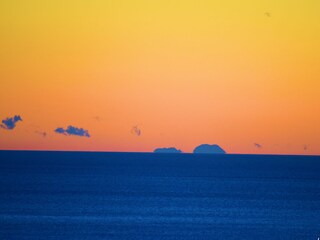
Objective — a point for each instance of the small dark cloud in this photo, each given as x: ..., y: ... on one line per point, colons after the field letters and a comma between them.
x: 135, y: 130
x: 10, y: 123
x: 43, y: 134
x: 60, y: 130
x: 257, y: 145
x: 71, y: 130
x: 268, y: 14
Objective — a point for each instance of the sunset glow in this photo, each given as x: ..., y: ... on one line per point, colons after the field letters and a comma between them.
x: 179, y: 73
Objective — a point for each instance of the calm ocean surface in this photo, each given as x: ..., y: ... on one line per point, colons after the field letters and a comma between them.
x: 69, y: 195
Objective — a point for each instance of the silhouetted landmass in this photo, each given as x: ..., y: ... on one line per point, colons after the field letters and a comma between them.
x: 167, y: 150
x: 209, y: 149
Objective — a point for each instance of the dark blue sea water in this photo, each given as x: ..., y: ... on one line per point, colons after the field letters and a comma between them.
x: 73, y: 195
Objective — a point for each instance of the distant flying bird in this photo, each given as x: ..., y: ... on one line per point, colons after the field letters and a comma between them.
x: 305, y: 147
x: 135, y: 131
x: 43, y: 134
x: 267, y: 14
x: 257, y: 145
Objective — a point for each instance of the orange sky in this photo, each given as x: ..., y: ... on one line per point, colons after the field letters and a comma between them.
x: 187, y: 72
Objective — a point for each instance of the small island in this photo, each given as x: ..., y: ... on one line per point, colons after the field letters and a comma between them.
x: 167, y: 150
x: 208, y: 149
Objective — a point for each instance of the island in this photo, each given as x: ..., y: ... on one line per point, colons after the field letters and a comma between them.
x: 167, y: 150
x: 208, y: 149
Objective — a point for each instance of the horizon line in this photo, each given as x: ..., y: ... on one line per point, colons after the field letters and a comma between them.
x: 189, y: 153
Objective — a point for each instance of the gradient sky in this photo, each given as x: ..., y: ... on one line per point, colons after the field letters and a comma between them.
x: 241, y: 74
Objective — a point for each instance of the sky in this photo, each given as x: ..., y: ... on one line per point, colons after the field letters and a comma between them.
x: 135, y: 75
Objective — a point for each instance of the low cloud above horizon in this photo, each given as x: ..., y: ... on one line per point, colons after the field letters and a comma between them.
x: 10, y: 123
x: 71, y: 130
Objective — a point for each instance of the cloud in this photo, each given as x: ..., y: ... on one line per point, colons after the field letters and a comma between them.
x: 10, y: 123
x: 71, y: 130
x: 60, y: 130
x: 136, y: 131
x: 257, y: 145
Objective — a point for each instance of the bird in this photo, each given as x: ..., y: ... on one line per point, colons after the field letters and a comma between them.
x: 135, y: 131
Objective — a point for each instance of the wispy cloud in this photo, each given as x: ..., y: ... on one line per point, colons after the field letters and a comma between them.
x: 71, y: 130
x: 10, y: 123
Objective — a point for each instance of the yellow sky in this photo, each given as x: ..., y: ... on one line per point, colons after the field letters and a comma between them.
x: 186, y: 72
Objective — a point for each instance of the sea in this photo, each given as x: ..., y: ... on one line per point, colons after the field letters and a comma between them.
x: 98, y: 195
